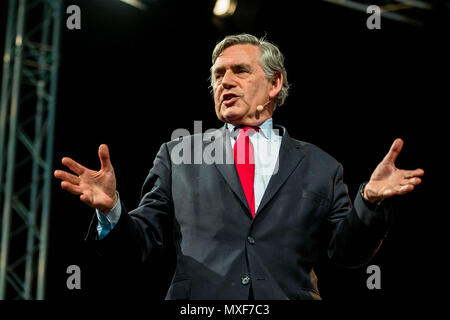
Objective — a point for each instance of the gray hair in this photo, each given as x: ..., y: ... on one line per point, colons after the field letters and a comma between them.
x: 272, y: 60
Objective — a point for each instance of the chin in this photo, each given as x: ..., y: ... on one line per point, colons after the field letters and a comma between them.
x: 230, y: 115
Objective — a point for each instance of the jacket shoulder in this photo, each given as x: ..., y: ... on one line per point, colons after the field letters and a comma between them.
x: 315, y: 153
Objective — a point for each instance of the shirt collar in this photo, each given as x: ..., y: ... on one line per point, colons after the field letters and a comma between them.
x: 265, y: 129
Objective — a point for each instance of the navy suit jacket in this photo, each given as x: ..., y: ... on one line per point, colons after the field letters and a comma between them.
x: 201, y: 211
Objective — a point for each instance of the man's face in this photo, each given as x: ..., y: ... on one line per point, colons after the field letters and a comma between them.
x: 240, y: 85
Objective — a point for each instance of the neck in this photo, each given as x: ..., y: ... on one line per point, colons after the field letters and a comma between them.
x: 251, y: 121
x: 246, y: 124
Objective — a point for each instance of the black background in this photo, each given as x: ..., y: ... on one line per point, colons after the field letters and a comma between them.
x: 129, y: 78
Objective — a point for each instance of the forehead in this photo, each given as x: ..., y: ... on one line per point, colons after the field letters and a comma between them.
x: 239, y: 54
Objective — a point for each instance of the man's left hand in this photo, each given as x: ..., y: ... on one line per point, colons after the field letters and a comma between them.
x: 387, y: 180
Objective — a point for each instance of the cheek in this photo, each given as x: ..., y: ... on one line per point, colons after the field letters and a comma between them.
x: 217, y: 100
x: 218, y: 91
x: 252, y: 91
x: 258, y: 89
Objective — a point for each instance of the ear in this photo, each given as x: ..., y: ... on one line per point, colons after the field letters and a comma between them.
x: 276, y: 84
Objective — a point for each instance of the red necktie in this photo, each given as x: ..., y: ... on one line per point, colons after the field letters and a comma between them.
x: 245, y: 164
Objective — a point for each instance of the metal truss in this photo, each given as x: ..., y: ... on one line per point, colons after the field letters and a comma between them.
x: 413, y: 12
x: 27, y: 116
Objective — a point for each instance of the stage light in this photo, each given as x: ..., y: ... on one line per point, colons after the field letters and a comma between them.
x: 224, y: 8
x: 136, y: 3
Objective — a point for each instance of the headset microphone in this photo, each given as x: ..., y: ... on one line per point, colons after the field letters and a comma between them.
x: 260, y: 108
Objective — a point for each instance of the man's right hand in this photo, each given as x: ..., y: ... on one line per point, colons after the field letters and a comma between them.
x: 96, y: 188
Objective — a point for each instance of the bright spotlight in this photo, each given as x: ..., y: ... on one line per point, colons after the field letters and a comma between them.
x: 136, y: 3
x: 224, y: 8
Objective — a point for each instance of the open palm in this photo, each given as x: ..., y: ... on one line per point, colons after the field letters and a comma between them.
x: 387, y: 180
x: 96, y: 188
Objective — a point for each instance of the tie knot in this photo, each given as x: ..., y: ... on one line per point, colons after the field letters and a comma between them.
x: 246, y: 129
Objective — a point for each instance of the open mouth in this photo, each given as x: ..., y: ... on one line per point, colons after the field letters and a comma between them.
x: 229, y: 99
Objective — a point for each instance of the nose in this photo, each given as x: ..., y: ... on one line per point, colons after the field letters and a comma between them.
x: 228, y: 80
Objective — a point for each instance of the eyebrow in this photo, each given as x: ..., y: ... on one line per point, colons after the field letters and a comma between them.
x: 234, y: 66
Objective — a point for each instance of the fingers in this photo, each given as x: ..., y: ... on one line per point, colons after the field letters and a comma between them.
x: 69, y: 181
x: 406, y: 186
x: 65, y: 176
x: 404, y: 189
x: 74, y: 189
x: 394, y: 151
x: 413, y: 173
x: 388, y: 193
x: 86, y: 199
x: 398, y: 190
x: 73, y: 165
x: 412, y: 177
x: 103, y: 154
x: 413, y: 181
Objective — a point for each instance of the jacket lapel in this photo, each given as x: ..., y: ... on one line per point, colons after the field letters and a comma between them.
x: 288, y: 159
x: 227, y: 167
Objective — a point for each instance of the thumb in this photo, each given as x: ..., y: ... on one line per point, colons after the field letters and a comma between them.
x: 394, y: 151
x: 103, y: 154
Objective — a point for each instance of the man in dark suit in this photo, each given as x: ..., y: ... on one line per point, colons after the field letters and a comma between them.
x: 251, y: 211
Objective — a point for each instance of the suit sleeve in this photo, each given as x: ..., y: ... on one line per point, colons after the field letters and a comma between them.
x: 358, y: 230
x: 147, y: 229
